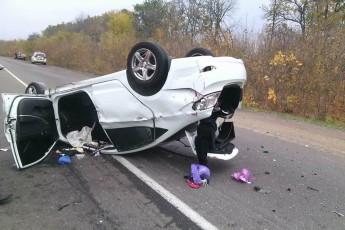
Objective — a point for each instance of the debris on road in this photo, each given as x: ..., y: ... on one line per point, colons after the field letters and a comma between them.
x: 80, y: 156
x: 262, y: 190
x: 339, y: 214
x: 4, y: 150
x: 310, y: 188
x: 265, y: 150
x: 62, y: 207
x: 200, y: 176
x: 243, y: 176
x: 64, y: 160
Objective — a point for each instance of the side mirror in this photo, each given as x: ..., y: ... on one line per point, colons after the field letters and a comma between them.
x: 1, y: 67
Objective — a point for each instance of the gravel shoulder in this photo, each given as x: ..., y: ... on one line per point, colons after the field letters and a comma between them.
x: 314, y: 136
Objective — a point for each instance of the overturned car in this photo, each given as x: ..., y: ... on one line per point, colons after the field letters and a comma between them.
x: 156, y: 100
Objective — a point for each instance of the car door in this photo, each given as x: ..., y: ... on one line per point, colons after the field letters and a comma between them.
x: 225, y: 152
x: 129, y: 123
x: 30, y: 127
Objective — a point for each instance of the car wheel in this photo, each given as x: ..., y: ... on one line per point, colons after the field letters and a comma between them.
x: 147, y: 68
x: 35, y: 88
x: 199, y: 52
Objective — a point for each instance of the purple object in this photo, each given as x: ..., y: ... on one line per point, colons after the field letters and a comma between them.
x: 200, y: 172
x: 243, y: 176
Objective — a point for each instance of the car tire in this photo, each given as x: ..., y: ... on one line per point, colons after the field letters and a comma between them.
x: 199, y: 52
x: 35, y: 88
x: 147, y: 68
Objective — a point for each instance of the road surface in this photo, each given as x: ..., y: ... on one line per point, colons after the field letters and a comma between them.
x: 299, y: 168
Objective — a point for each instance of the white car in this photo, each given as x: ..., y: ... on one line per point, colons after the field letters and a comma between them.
x: 38, y: 57
x: 156, y: 100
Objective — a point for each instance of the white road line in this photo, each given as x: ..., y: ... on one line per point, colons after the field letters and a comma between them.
x: 172, y: 199
x: 23, y: 83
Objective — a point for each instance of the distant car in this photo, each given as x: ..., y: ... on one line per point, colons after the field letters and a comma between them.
x: 20, y: 56
x: 38, y: 57
x: 158, y: 99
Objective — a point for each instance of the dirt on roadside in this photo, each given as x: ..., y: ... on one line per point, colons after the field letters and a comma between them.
x: 323, y: 138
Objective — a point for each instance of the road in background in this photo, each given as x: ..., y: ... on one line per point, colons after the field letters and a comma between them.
x: 302, y: 185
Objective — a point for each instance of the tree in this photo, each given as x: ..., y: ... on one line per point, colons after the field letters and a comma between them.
x: 149, y: 17
x: 121, y: 23
x: 272, y: 13
x: 33, y: 36
x: 217, y: 11
x: 295, y: 11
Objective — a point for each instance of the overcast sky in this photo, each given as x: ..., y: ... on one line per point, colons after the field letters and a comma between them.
x: 20, y: 18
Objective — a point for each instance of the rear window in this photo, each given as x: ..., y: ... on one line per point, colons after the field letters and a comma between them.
x: 40, y: 55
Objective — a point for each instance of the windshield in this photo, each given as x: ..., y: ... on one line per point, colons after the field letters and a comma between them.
x: 40, y: 55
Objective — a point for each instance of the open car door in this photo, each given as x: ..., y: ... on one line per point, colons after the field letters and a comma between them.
x: 30, y: 127
x: 225, y: 149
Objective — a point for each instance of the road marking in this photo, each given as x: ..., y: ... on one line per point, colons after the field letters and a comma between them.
x: 23, y: 83
x: 171, y: 198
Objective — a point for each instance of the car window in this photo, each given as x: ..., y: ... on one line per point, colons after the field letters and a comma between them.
x: 131, y: 138
x: 40, y: 55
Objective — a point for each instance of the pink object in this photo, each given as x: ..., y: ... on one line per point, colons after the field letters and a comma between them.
x: 243, y: 176
x: 193, y: 185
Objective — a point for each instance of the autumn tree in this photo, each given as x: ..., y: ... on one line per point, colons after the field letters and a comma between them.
x: 149, y: 17
x: 288, y: 11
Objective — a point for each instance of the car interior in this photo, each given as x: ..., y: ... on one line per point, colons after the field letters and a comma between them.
x: 76, y: 111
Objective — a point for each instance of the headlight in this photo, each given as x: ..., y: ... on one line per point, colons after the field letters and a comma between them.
x: 206, y: 102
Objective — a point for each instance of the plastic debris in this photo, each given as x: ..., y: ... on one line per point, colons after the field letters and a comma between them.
x: 80, y: 156
x: 192, y: 184
x: 5, y: 198
x: 266, y: 151
x: 310, y: 188
x: 64, y: 160
x: 262, y: 190
x: 62, y: 207
x: 243, y: 176
x: 339, y: 214
x: 4, y: 150
x: 200, y: 176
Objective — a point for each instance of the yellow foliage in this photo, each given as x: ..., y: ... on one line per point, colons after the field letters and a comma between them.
x: 121, y: 23
x: 292, y: 99
x: 281, y: 59
x: 248, y: 99
x: 272, y: 95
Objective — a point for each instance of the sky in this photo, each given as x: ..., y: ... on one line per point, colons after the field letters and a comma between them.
x: 20, y: 18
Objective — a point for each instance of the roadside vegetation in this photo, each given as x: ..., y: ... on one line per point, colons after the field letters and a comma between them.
x: 295, y: 65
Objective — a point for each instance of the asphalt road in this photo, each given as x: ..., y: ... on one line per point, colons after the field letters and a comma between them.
x: 302, y: 185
